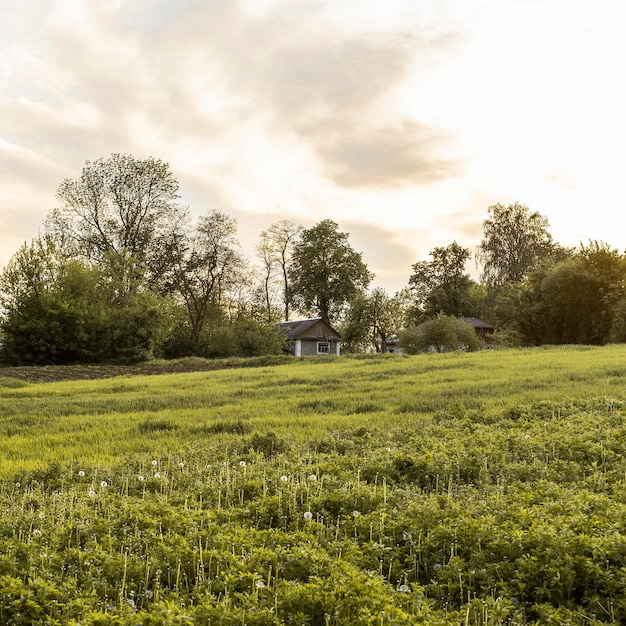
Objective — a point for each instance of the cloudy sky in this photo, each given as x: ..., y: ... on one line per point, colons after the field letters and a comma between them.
x: 402, y: 120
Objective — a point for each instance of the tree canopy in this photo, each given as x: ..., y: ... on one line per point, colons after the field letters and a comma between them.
x: 442, y: 285
x: 325, y: 271
x: 120, y: 207
x: 514, y: 242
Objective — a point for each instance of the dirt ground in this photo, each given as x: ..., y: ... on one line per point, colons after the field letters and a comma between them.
x: 53, y: 373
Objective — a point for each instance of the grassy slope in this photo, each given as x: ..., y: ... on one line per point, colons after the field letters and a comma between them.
x: 491, y: 485
x: 95, y: 420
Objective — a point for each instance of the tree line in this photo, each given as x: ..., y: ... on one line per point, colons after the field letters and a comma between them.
x: 122, y: 274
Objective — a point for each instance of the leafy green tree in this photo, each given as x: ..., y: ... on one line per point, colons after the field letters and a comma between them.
x: 441, y: 334
x: 442, y: 285
x: 575, y: 300
x: 514, y: 242
x: 326, y: 272
x: 121, y: 207
x: 372, y: 319
x: 57, y: 310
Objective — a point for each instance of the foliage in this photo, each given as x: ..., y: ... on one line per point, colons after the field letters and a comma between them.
x: 58, y: 310
x: 206, y: 266
x: 325, y: 271
x: 120, y: 207
x: 442, y: 334
x: 487, y: 489
x: 576, y: 300
x: 275, y: 250
x: 514, y: 242
x: 371, y: 320
x: 242, y: 338
x: 441, y: 285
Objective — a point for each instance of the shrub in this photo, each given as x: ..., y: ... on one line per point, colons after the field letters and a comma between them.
x: 442, y: 334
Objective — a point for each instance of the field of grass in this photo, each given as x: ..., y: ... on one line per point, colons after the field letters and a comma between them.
x: 483, y: 488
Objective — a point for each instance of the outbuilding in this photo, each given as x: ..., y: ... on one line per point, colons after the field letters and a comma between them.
x: 312, y: 337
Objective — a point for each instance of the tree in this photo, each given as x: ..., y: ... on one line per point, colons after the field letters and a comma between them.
x: 442, y: 334
x: 372, y: 319
x: 275, y: 250
x: 326, y: 272
x: 207, y: 264
x: 514, y: 242
x: 441, y: 285
x: 571, y: 301
x: 121, y: 207
x: 58, y: 310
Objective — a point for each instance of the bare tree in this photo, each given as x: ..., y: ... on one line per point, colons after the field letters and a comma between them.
x: 276, y: 250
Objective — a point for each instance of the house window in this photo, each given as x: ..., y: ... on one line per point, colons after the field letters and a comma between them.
x: 323, y: 347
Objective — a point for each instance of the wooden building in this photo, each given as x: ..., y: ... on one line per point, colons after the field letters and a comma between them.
x: 312, y: 337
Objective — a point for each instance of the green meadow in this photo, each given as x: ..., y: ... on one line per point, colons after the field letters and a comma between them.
x: 482, y: 488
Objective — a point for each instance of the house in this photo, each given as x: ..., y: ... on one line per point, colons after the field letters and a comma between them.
x: 312, y: 337
x: 393, y: 345
x: 483, y: 330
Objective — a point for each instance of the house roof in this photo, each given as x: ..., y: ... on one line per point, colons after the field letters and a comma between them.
x: 296, y: 328
x: 476, y: 323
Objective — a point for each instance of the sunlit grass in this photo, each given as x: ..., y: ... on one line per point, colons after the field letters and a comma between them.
x: 485, y: 488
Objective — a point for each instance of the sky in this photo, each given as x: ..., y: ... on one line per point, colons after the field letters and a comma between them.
x: 401, y: 120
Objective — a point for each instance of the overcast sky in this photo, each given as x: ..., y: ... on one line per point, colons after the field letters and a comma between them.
x: 402, y: 120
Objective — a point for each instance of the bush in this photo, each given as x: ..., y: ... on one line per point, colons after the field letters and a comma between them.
x: 442, y: 334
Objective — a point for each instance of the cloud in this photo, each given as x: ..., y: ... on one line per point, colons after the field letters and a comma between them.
x: 392, y: 156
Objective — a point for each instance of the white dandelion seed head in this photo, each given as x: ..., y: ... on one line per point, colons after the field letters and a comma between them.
x: 404, y: 588
x: 242, y: 463
x: 155, y: 463
x: 284, y: 478
x: 355, y: 513
x: 36, y: 532
x: 157, y: 475
x: 313, y: 477
x: 104, y: 484
x: 140, y: 478
x: 308, y: 516
x: 181, y: 465
x: 92, y: 493
x: 81, y: 473
x: 259, y: 584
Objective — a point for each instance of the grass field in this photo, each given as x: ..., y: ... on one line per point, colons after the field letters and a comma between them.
x: 483, y: 488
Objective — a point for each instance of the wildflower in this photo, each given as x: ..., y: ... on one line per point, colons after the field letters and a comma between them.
x: 181, y: 465
x: 313, y: 477
x: 355, y: 514
x: 140, y: 478
x: 259, y: 584
x: 81, y: 473
x: 155, y: 463
x: 284, y: 478
x: 149, y: 594
x: 92, y: 493
x: 308, y: 516
x: 36, y: 532
x: 157, y: 475
x: 404, y: 588
x: 242, y: 463
x: 104, y: 484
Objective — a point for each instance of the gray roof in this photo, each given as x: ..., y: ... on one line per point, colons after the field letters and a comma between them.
x: 295, y: 328
x: 476, y: 323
